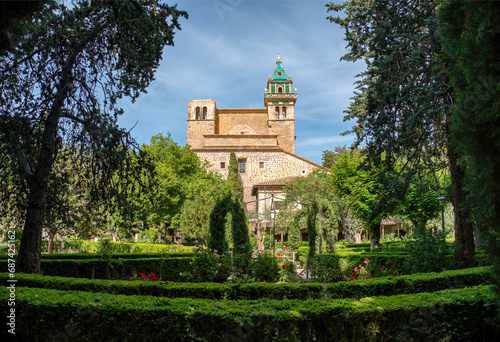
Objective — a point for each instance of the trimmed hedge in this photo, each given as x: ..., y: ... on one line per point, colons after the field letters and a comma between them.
x: 415, y: 283
x: 173, y: 290
x: 167, y: 268
x: 114, y: 255
x: 43, y: 315
x: 428, y: 282
x: 339, y: 266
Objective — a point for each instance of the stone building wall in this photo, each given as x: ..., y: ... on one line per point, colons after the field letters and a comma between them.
x: 261, y: 166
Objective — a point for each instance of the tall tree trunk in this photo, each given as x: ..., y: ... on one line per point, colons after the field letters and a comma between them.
x: 464, y: 230
x: 31, y: 243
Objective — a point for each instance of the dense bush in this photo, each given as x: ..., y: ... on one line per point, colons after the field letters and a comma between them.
x: 174, y: 289
x: 340, y: 266
x: 416, y: 283
x: 167, y: 268
x: 43, y: 314
x: 266, y: 268
x: 114, y: 255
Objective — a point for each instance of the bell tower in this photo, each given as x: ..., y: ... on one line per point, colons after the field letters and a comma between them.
x: 279, y: 99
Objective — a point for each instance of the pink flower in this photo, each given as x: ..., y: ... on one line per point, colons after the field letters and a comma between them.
x: 196, y: 241
x: 180, y: 274
x: 194, y: 249
x: 215, y: 251
x: 264, y: 281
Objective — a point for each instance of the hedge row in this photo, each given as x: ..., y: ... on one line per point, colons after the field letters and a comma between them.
x: 113, y: 255
x: 43, y: 314
x: 415, y: 283
x: 168, y: 269
x: 340, y: 266
x: 173, y: 290
x: 428, y: 282
x: 125, y: 247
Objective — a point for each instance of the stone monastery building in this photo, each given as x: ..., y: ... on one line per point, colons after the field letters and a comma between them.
x: 262, y: 139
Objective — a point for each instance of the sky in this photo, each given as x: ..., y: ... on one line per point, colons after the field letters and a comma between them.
x: 225, y: 52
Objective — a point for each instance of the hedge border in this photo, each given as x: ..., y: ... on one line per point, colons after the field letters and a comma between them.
x: 462, y: 314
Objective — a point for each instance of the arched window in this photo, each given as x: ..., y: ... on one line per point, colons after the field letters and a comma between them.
x: 204, y: 113
x: 283, y: 112
x: 197, y: 113
x: 280, y: 89
x: 277, y: 112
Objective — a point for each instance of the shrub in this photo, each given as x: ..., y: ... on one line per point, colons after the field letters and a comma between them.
x: 428, y: 253
x: 266, y: 268
x: 463, y: 314
x: 207, y: 266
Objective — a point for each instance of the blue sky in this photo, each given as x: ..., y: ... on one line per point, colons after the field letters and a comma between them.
x: 227, y: 50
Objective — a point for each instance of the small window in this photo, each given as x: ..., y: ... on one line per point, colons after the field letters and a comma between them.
x: 204, y: 113
x: 277, y: 112
x: 197, y: 113
x: 283, y: 112
x: 222, y: 165
x: 279, y: 73
x: 261, y: 165
x: 242, y: 164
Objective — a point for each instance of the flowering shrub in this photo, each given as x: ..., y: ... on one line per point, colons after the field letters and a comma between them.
x: 388, y: 271
x: 287, y: 272
x: 207, y: 266
x: 143, y: 276
x: 361, y: 272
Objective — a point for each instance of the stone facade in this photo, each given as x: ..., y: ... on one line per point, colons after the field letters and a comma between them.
x: 262, y: 139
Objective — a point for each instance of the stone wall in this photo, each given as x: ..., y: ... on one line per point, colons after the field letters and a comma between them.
x: 261, y: 166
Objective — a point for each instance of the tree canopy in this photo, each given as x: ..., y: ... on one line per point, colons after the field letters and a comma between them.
x: 62, y: 84
x: 404, y: 96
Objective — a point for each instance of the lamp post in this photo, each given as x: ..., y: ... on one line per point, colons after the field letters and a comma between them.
x: 273, y: 215
x: 441, y: 200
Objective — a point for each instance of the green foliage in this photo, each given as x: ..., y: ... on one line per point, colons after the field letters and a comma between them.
x: 229, y: 291
x: 217, y: 239
x: 202, y: 194
x: 416, y: 283
x: 266, y: 268
x: 462, y: 314
x: 239, y: 226
x: 287, y: 272
x: 234, y: 179
x: 340, y: 266
x: 470, y: 59
x: 167, y: 268
x: 176, y: 168
x: 207, y: 266
x: 427, y: 253
x: 87, y: 57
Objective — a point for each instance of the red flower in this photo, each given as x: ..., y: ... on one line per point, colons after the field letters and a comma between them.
x: 368, y: 278
x: 264, y: 281
x: 383, y: 267
x: 134, y: 272
x: 395, y: 272
x: 392, y: 266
